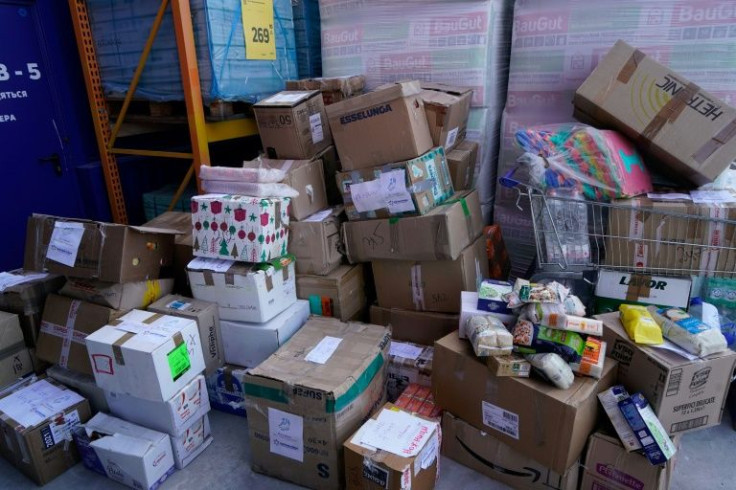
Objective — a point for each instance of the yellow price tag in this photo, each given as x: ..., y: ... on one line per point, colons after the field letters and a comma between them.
x: 260, y: 41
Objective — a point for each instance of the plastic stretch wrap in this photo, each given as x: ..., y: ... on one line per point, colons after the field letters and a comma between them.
x: 308, y: 39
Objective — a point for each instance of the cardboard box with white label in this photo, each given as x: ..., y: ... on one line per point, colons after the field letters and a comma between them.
x: 615, y: 288
x: 118, y: 296
x: 316, y: 242
x: 15, y: 360
x: 447, y: 109
x: 84, y: 384
x: 340, y: 294
x: 408, y: 363
x: 461, y: 161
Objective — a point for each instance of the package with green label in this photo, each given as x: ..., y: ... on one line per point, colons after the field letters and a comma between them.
x: 410, y: 188
x: 533, y: 339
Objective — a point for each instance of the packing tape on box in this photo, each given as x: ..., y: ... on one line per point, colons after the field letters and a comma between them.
x: 277, y: 212
x: 229, y: 279
x: 269, y: 282
x: 638, y: 287
x: 629, y: 68
x: 209, y: 279
x: 227, y: 378
x: 721, y: 138
x: 117, y: 351
x: 66, y: 340
x: 668, y: 114
x: 417, y: 287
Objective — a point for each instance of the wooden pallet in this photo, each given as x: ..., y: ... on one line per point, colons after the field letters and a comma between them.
x: 176, y: 111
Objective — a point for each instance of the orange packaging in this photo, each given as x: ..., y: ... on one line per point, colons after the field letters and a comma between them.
x: 498, y: 258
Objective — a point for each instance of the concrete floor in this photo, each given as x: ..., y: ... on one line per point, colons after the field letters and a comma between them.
x: 707, y: 455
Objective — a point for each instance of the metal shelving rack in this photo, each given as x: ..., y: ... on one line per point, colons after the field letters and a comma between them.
x: 201, y: 132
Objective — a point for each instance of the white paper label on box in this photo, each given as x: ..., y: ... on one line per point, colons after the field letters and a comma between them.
x: 286, y: 97
x: 319, y: 216
x: 7, y: 280
x: 669, y: 196
x: 39, y: 401
x: 396, y: 196
x: 502, y: 420
x: 133, y: 327
x: 407, y: 351
x: 62, y: 431
x: 216, y: 265
x: 398, y: 432
x: 451, y: 137
x: 712, y: 197
x: 64, y: 243
x: 315, y: 124
x: 428, y: 454
x: 367, y: 196
x: 286, y: 433
x: 322, y: 352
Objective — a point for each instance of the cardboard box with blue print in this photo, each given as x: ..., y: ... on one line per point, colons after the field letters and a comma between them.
x: 226, y: 389
x: 339, y: 294
x: 311, y: 395
x: 408, y: 188
x: 15, y: 360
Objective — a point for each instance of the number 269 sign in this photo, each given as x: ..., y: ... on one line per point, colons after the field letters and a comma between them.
x: 260, y: 42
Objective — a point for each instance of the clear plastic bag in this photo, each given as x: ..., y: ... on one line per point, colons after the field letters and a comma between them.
x: 553, y: 368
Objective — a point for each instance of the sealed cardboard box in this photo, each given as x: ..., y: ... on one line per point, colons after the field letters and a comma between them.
x: 146, y: 355
x: 383, y: 126
x: 420, y: 327
x: 207, y: 316
x: 308, y: 178
x: 406, y: 188
x: 125, y: 296
x: 293, y: 124
x: 615, y: 288
x: 65, y: 326
x: 340, y: 294
x: 182, y: 223
x: 407, y: 455
x: 91, y: 249
x: 124, y: 452
x: 447, y: 109
x: 334, y: 89
x: 191, y: 442
x: 36, y: 421
x: 316, y: 242
x: 461, y: 162
x: 430, y: 285
x: 508, y: 408
x: 311, y: 395
x: 441, y: 234
x: 481, y: 451
x: 245, y: 292
x: 249, y: 344
x: 689, y: 130
x: 247, y: 229
x: 332, y: 166
x: 84, y: 384
x: 227, y: 389
x: 686, y: 395
x: 15, y: 360
x: 408, y: 363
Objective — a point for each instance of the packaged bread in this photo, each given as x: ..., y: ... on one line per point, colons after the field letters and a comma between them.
x: 688, y: 332
x: 553, y: 368
x: 533, y: 339
x: 488, y: 336
x: 639, y: 325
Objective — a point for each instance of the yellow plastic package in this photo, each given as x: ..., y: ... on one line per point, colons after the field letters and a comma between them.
x: 640, y: 325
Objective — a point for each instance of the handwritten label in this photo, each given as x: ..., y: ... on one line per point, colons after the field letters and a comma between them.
x: 322, y: 352
x: 396, y: 196
x: 260, y: 40
x: 398, y: 432
x: 64, y: 243
x: 367, y: 196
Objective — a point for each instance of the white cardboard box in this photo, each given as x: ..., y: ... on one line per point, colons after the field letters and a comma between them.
x: 172, y: 416
x: 146, y: 355
x: 249, y: 344
x: 244, y: 292
x: 191, y: 442
x: 127, y: 453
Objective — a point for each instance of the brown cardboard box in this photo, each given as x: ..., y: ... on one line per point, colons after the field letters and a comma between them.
x: 609, y: 466
x: 420, y: 327
x: 441, y: 234
x: 339, y: 294
x: 383, y: 126
x: 316, y: 242
x: 207, y: 316
x: 481, y: 451
x: 529, y: 415
x: 333, y: 89
x: 309, y: 180
x: 118, y: 296
x: 301, y: 412
x: 402, y: 371
x: 37, y: 446
x: 431, y: 285
x: 368, y: 469
x: 689, y: 130
x: 685, y: 395
x: 461, y: 161
x: 66, y: 323
x: 15, y: 360
x: 182, y: 223
x: 27, y: 299
x: 293, y: 124
x: 447, y: 109
x: 107, y: 251
x: 332, y: 166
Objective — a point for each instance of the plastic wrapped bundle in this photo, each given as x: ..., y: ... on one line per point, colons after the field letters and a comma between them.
x: 688, y: 332
x: 488, y: 336
x: 553, y: 368
x: 307, y: 34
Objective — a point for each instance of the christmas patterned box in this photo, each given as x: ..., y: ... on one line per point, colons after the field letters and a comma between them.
x: 247, y: 229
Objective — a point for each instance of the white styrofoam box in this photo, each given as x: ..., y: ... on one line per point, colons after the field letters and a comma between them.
x: 194, y: 439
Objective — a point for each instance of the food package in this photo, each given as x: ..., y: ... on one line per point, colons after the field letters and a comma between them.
x: 573, y: 306
x: 594, y: 354
x: 688, y: 332
x: 609, y: 400
x: 525, y: 292
x: 488, y: 336
x: 533, y: 339
x: 554, y: 315
x: 639, y: 325
x: 553, y: 368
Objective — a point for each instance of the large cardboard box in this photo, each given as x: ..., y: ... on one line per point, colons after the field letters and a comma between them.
x: 182, y: 223
x: 689, y: 130
x: 245, y: 292
x: 447, y: 109
x: 90, y: 249
x: 311, y: 395
x: 405, y: 188
x: 331, y: 165
x: 65, y: 326
x: 84, y: 384
x: 481, y: 451
x: 124, y: 452
x: 15, y: 360
x: 334, y: 89
x: 248, y: 229
x: 35, y: 422
x: 316, y: 242
x: 367, y: 467
x: 192, y: 442
x: 340, y: 294
x: 125, y: 296
x: 293, y: 124
x: 420, y: 327
x: 615, y: 288
x: 226, y: 389
x: 430, y: 285
x: 509, y: 408
x: 461, y: 162
x: 686, y: 395
x: 440, y: 234
x: 146, y: 355
x: 408, y: 363
x: 249, y: 344
x: 383, y: 126
x: 207, y: 316
x: 608, y: 466
x: 308, y: 178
